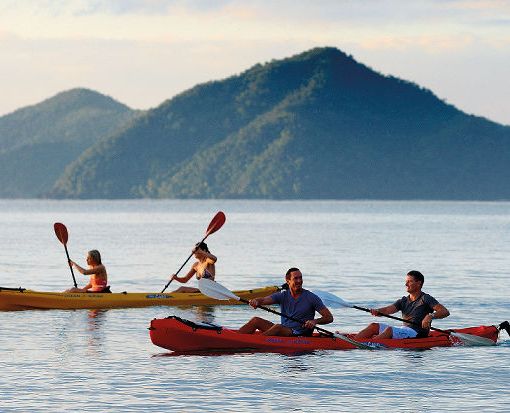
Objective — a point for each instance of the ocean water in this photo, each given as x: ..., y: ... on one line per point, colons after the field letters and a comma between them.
x: 103, y: 360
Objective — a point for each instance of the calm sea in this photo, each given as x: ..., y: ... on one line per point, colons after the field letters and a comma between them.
x: 97, y: 361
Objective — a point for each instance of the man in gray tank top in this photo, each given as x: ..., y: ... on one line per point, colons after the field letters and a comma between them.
x: 418, y: 309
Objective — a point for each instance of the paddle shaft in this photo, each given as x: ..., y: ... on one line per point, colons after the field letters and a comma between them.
x: 23, y: 289
x: 182, y: 266
x: 70, y: 266
x: 215, y: 224
x: 329, y: 333
x: 401, y: 319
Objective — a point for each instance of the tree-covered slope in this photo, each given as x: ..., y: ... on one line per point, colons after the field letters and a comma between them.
x: 316, y: 125
x: 38, y: 142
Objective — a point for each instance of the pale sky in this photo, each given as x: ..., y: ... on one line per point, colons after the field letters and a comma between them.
x: 143, y: 52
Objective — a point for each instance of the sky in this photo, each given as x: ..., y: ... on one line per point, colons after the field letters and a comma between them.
x: 143, y: 52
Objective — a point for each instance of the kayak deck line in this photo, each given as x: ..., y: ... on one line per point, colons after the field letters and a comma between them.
x: 13, y: 299
x: 183, y: 336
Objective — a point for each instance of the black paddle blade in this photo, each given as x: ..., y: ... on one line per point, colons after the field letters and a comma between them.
x: 505, y: 326
x: 61, y: 232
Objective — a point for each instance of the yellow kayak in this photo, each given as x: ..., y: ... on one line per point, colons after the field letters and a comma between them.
x: 22, y: 299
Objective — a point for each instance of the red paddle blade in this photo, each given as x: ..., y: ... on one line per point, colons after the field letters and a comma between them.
x: 216, y: 223
x: 61, y: 232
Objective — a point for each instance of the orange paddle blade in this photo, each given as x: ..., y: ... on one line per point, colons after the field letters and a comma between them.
x: 61, y: 232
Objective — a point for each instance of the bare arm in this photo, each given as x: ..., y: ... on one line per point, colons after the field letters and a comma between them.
x: 256, y: 302
x: 326, y: 318
x: 390, y: 309
x: 210, y: 258
x: 94, y: 270
x: 187, y: 277
x: 440, y: 311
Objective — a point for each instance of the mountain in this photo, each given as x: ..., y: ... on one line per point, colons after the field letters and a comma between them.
x: 315, y: 125
x: 38, y: 142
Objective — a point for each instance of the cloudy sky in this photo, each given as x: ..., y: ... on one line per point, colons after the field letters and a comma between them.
x: 142, y: 52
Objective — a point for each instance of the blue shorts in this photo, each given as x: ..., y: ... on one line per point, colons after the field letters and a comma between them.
x: 399, y: 332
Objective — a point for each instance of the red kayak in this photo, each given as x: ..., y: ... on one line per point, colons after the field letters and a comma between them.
x: 176, y: 334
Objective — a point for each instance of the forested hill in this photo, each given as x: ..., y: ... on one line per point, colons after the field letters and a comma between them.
x: 39, y: 141
x: 315, y: 125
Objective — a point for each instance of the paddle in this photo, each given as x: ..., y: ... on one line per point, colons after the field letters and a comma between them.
x: 467, y: 339
x: 219, y: 292
x: 62, y: 235
x: 215, y: 224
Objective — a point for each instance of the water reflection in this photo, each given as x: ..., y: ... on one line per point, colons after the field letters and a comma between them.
x: 233, y: 352
x: 208, y: 353
x: 79, y: 327
x: 96, y: 314
x: 96, y: 319
x: 293, y: 365
x: 415, y: 357
x: 95, y: 331
x: 203, y: 314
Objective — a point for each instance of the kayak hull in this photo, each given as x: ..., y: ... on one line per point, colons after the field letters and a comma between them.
x: 21, y: 299
x: 176, y: 334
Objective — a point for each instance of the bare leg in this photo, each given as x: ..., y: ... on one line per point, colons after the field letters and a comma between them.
x: 387, y: 333
x: 368, y: 332
x: 256, y: 323
x: 76, y: 290
x: 186, y: 290
x: 278, y: 330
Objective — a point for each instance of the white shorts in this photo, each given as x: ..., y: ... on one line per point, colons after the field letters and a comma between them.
x: 398, y: 332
